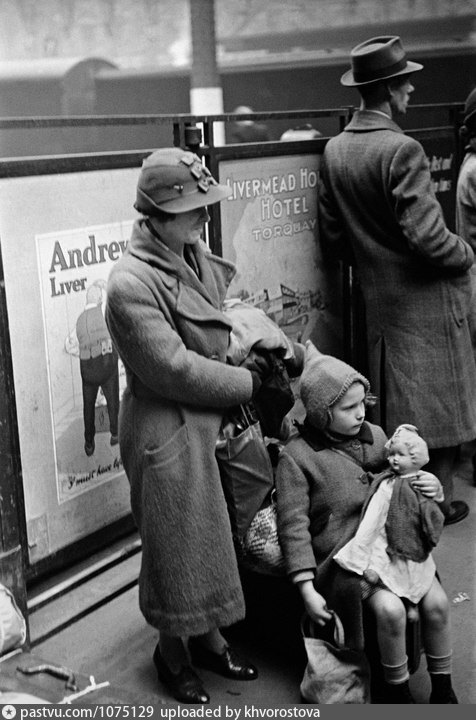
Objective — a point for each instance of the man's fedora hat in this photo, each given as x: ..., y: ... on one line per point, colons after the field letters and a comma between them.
x: 379, y: 58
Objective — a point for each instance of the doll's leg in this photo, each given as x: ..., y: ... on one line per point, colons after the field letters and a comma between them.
x: 390, y: 617
x: 436, y: 633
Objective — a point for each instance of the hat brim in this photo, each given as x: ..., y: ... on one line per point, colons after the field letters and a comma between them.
x: 348, y: 80
x: 193, y: 200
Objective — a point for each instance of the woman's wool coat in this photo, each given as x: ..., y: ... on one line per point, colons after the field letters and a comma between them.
x: 377, y: 209
x: 320, y: 495
x: 172, y: 337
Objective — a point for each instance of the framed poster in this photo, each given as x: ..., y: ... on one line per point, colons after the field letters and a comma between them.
x: 60, y: 235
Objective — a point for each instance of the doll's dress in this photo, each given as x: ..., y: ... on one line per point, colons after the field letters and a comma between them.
x: 367, y: 550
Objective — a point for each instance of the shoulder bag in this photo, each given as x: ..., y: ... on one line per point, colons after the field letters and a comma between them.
x: 334, y: 674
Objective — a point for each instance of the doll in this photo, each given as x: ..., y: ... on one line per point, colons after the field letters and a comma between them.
x: 399, y: 526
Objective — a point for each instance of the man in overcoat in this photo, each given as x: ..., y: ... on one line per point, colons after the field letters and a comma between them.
x: 378, y: 211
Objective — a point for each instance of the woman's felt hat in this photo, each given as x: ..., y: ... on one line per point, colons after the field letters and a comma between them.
x: 175, y: 181
x: 379, y: 58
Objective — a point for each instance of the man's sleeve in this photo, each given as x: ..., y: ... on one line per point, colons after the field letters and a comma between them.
x: 419, y: 213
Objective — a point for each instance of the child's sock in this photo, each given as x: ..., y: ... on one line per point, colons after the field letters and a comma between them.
x: 442, y: 692
x: 439, y: 665
x: 396, y: 674
x: 396, y: 689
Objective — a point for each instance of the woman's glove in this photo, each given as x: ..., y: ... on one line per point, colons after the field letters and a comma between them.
x: 295, y: 364
x: 259, y: 368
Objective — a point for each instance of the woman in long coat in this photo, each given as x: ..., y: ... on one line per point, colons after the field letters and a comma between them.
x: 164, y: 314
x: 378, y: 210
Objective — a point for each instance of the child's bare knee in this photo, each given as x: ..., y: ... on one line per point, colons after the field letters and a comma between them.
x: 437, y: 612
x: 392, y: 615
x: 435, y: 607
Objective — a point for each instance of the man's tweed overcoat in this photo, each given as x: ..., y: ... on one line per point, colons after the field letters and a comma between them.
x: 172, y: 338
x: 377, y: 209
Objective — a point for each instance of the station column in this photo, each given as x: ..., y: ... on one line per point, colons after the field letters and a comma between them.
x: 206, y: 95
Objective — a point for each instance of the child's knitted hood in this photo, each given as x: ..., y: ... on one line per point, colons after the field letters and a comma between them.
x: 324, y: 381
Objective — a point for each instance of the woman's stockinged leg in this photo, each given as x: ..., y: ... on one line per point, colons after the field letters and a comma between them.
x: 211, y: 651
x: 172, y: 662
x: 213, y: 640
x: 174, y: 652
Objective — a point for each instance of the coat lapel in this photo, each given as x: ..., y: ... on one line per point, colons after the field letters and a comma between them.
x: 209, y: 285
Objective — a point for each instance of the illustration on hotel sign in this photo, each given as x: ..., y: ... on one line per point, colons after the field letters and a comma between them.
x: 86, y: 378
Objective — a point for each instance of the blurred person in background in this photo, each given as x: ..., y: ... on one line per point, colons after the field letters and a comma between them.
x: 302, y: 132
x: 245, y: 131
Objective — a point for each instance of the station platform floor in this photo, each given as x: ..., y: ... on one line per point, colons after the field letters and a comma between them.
x: 114, y: 644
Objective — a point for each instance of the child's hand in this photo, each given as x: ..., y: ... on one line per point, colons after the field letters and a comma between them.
x: 429, y: 485
x: 315, y: 604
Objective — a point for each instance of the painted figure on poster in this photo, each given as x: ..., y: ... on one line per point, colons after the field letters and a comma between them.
x: 98, y: 361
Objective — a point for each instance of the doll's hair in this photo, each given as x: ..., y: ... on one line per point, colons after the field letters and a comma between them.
x: 408, y: 436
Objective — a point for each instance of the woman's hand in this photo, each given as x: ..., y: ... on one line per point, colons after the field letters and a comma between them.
x: 257, y: 362
x: 314, y: 603
x: 429, y: 485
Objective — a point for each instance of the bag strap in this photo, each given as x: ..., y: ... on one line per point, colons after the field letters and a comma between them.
x: 247, y: 411
x: 309, y: 629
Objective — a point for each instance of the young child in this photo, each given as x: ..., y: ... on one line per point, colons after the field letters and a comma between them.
x: 322, y: 486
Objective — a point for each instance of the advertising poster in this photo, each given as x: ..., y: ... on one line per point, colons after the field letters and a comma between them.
x: 270, y: 231
x: 86, y: 378
x: 441, y: 158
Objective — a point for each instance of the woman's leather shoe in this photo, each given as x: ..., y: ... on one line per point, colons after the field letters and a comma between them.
x: 228, y: 663
x: 185, y: 685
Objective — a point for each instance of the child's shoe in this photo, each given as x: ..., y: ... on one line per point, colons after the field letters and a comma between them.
x: 398, y: 694
x: 442, y: 692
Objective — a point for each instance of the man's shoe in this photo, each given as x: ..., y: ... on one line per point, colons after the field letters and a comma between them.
x: 228, y: 663
x: 114, y: 439
x: 185, y: 686
x: 89, y: 448
x: 457, y: 512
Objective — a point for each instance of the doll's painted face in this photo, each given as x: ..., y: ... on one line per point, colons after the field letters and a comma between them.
x: 407, y: 456
x: 400, y: 459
